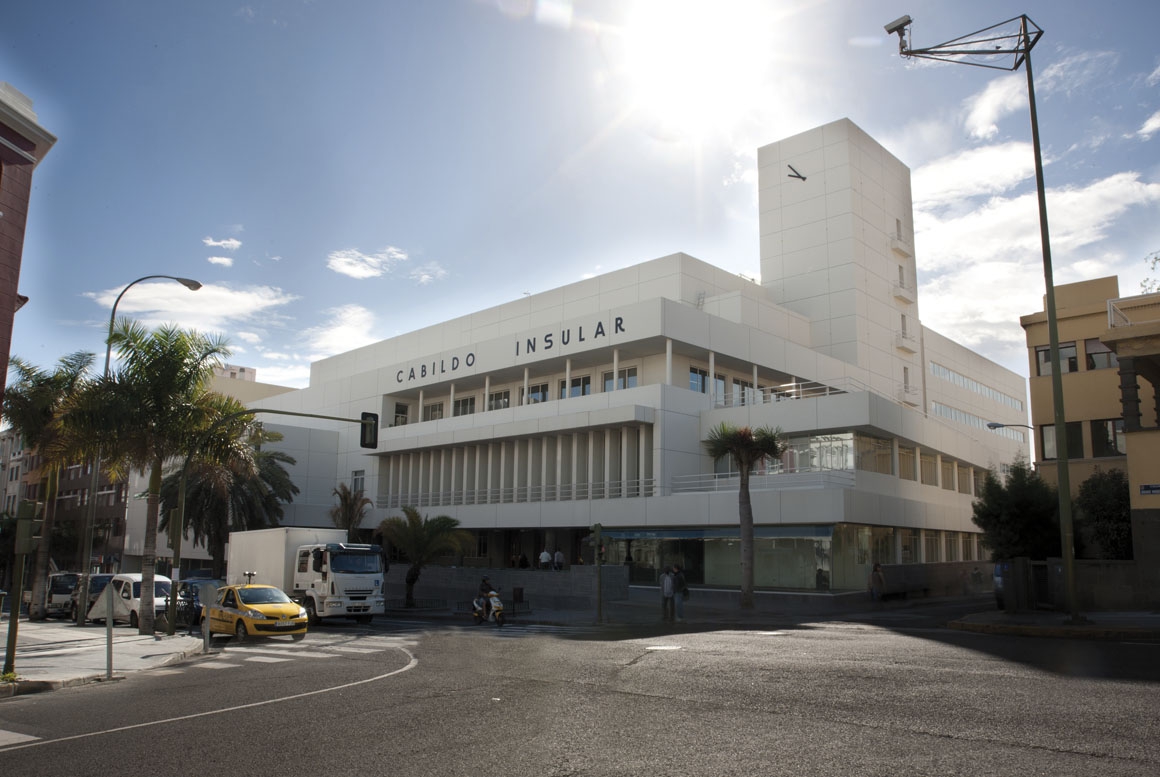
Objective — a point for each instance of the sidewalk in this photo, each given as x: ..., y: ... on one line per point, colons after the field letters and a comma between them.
x: 56, y: 654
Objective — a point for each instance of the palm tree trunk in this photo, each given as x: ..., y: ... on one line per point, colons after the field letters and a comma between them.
x: 38, y: 608
x: 411, y: 579
x: 149, y: 551
x: 745, y: 513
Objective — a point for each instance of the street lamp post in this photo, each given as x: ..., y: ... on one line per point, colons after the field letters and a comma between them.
x: 94, y: 482
x: 1015, y: 38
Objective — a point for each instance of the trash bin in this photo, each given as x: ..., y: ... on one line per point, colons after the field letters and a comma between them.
x: 518, y: 595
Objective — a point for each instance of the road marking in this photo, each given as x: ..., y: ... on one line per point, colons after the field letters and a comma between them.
x: 12, y: 738
x: 411, y: 664
x: 283, y: 652
x: 347, y: 649
x: 217, y: 663
x: 267, y: 659
x: 663, y: 647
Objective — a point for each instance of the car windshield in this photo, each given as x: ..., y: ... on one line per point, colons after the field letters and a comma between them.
x: 262, y: 596
x: 159, y: 589
x: 62, y: 584
x: 97, y: 584
x: 356, y: 563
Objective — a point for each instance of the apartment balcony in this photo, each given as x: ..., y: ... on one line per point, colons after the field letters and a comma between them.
x: 904, y: 341
x: 904, y: 293
x: 901, y: 245
x: 909, y: 395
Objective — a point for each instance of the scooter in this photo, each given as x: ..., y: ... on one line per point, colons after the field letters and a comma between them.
x: 480, y: 612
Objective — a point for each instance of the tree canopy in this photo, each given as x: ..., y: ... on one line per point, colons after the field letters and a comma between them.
x: 422, y: 540
x: 1019, y: 516
x: 351, y: 509
x: 1104, y: 520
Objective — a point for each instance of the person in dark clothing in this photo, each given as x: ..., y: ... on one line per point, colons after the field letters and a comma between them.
x: 485, y: 589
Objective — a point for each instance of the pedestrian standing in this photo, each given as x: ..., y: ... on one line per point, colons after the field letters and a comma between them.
x: 680, y: 592
x: 668, y: 582
x: 545, y: 559
x: 877, y: 585
x: 559, y: 559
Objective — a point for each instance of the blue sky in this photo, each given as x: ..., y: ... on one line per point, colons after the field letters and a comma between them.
x: 340, y: 172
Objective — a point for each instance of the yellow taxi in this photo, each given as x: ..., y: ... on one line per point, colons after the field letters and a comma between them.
x: 255, y: 611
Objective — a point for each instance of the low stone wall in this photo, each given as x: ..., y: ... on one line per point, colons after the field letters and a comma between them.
x: 570, y: 589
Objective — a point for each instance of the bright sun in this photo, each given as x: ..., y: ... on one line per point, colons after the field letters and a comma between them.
x: 696, y: 67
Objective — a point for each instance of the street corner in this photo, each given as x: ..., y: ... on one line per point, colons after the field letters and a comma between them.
x: 1053, y: 627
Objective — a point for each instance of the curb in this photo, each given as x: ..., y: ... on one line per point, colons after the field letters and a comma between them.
x: 1109, y: 633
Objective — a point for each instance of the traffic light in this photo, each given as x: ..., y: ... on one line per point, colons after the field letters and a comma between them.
x: 368, y: 436
x: 27, y: 528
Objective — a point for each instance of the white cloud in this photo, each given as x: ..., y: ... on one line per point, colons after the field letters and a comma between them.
x: 427, y: 273
x: 356, y: 264
x: 1001, y: 97
x: 213, y: 308
x: 292, y: 375
x: 349, y: 327
x: 1154, y: 77
x: 229, y: 243
x: 980, y: 171
x: 253, y: 338
x: 1150, y: 127
x: 1077, y: 70
x: 224, y: 261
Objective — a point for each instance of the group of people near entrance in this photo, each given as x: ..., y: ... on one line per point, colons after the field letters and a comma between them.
x: 674, y: 592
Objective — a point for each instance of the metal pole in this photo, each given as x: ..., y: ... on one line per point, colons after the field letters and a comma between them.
x: 1063, y: 475
x: 14, y: 615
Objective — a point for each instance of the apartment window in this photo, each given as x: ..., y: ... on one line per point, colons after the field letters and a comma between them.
x: 465, y: 406
x: 1107, y: 438
x: 904, y: 325
x: 968, y: 547
x: 952, y: 546
x: 901, y: 276
x: 1074, y: 441
x: 719, y: 387
x: 906, y: 378
x: 433, y: 412
x: 498, y: 400
x: 948, y: 475
x: 358, y: 480
x: 930, y: 547
x: 1067, y: 359
x: 743, y: 393
x: 625, y: 378
x: 536, y: 393
x: 980, y: 477
x: 907, y: 466
x: 909, y: 545
x: 1098, y: 355
x: 929, y: 469
x: 873, y: 454
x: 964, y: 480
x: 580, y: 387
x: 699, y: 380
x: 402, y: 412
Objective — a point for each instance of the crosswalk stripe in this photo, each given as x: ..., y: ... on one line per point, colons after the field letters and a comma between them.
x: 348, y: 649
x: 287, y: 651
x: 267, y: 659
x: 215, y: 664
x: 12, y: 738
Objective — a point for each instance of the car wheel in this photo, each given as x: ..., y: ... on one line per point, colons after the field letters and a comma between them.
x: 240, y: 631
x: 311, y: 614
x: 299, y: 637
x: 133, y: 622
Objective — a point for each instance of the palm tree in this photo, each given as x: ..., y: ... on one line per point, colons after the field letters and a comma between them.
x: 33, y: 406
x: 350, y: 510
x: 745, y: 447
x: 241, y: 487
x: 152, y: 409
x: 422, y: 540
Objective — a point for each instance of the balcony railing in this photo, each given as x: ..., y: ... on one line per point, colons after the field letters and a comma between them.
x: 1131, y: 311
x: 571, y: 492
x: 777, y: 481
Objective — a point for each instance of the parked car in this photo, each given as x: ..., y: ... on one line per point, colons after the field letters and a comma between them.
x: 125, y: 590
x: 998, y: 578
x: 97, y: 583
x: 255, y: 610
x: 58, y: 601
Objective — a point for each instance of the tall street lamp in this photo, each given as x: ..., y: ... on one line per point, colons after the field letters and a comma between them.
x: 989, y: 48
x: 94, y: 483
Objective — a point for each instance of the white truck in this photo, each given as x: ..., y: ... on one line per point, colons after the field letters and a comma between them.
x: 318, y: 568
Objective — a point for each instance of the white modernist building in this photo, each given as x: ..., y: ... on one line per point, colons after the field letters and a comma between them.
x: 533, y: 420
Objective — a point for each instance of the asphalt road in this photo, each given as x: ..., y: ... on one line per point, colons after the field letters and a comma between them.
x: 890, y: 695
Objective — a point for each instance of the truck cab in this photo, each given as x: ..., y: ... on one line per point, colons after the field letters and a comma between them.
x: 340, y: 579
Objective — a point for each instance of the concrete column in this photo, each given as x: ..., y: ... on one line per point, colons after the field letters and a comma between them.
x: 567, y: 378
x: 516, y: 470
x: 490, y: 479
x: 524, y: 396
x: 712, y: 379
x: 544, y: 468
x: 575, y: 462
x: 486, y: 392
x: 668, y: 361
x: 623, y: 462
x: 451, y: 403
x: 559, y: 465
x: 502, y: 471
x: 641, y: 451
x: 454, y: 472
x: 894, y: 465
x: 615, y: 368
x: 607, y: 463
x: 591, y: 461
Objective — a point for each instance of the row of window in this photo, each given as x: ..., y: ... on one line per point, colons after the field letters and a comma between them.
x: 1097, y: 356
x: 970, y: 419
x: 579, y: 386
x: 946, y: 373
x: 1107, y: 439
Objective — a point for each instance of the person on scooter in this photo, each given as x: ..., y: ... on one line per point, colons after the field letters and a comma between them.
x: 485, y: 589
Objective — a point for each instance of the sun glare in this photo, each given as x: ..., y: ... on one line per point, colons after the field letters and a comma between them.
x: 696, y: 67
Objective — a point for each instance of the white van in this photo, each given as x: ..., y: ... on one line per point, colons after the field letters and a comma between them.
x: 125, y: 590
